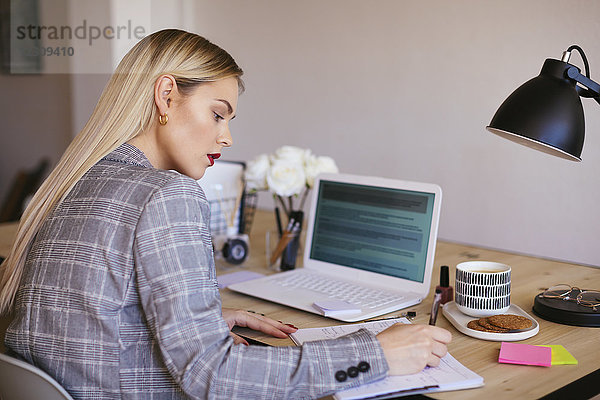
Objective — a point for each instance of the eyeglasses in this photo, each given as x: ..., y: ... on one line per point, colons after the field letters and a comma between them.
x: 586, y: 298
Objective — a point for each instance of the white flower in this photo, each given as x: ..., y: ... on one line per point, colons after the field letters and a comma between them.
x: 287, y: 172
x: 316, y: 165
x: 291, y: 153
x: 286, y: 177
x: 256, y: 173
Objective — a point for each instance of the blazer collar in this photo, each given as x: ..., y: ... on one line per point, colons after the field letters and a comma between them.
x: 129, y: 154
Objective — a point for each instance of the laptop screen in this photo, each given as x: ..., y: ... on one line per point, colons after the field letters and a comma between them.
x: 377, y: 229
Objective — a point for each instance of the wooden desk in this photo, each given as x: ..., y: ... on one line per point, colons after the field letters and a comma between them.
x: 529, y: 276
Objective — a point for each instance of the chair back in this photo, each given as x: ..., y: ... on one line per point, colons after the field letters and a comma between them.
x: 22, y: 381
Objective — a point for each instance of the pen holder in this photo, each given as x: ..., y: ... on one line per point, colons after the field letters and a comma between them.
x: 290, y: 252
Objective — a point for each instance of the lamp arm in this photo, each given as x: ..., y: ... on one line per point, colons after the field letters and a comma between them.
x: 593, y: 87
x: 567, y: 55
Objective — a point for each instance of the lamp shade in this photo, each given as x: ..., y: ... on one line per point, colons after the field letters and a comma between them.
x: 544, y: 113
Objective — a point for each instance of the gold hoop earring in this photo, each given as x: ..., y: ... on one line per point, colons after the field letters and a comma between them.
x: 163, y: 119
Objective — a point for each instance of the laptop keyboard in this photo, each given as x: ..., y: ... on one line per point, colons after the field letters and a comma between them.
x: 362, y: 296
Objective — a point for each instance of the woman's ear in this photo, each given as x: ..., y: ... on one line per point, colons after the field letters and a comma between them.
x: 164, y: 88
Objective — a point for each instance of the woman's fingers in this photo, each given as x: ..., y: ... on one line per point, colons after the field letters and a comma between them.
x: 409, y: 348
x: 258, y: 322
x: 439, y: 349
x: 266, y: 325
x: 238, y: 339
x: 440, y: 335
x: 433, y: 361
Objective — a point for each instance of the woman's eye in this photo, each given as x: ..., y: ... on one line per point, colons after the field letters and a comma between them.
x: 217, y: 117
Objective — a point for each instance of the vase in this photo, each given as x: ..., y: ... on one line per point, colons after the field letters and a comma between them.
x: 290, y: 253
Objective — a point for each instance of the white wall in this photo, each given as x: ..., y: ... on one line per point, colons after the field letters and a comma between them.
x: 91, y: 72
x: 405, y: 89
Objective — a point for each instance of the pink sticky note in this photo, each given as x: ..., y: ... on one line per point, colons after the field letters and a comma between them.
x: 525, y: 354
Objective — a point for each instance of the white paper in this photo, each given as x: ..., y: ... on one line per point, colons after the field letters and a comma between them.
x: 236, y: 277
x: 332, y: 332
x: 335, y: 307
x: 450, y: 375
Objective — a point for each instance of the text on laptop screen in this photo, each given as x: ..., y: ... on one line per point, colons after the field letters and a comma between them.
x: 376, y: 229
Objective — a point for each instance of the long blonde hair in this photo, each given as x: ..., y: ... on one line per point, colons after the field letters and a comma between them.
x: 125, y: 109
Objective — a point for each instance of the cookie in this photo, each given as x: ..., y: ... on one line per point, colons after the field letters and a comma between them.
x: 510, y: 321
x: 475, y: 325
x: 485, y: 322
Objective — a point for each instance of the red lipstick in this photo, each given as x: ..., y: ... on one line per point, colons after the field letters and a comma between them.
x: 212, y: 157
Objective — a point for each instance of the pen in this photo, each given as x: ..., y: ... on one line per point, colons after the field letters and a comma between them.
x: 409, y: 315
x: 435, y: 306
x: 290, y: 225
x: 296, y: 228
x: 278, y: 218
x: 292, y: 231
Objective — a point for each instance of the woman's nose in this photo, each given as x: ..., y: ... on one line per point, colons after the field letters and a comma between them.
x: 225, y: 138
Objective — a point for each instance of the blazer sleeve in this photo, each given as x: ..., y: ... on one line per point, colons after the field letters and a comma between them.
x: 177, y: 284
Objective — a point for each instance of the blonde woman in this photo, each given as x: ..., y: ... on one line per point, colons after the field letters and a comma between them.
x: 112, y: 279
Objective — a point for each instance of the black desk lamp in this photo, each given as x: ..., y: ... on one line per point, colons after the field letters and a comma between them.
x: 545, y: 113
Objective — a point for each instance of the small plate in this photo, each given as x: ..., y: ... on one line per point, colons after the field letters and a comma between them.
x: 460, y: 321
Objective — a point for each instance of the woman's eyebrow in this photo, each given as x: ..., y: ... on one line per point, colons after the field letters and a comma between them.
x: 229, y: 108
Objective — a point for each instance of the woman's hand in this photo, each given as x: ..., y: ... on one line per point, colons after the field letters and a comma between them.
x: 409, y: 348
x: 257, y: 322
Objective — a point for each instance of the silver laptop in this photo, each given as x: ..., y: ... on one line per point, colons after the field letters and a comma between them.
x: 370, y: 244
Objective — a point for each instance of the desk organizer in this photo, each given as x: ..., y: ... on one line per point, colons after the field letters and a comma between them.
x: 460, y: 321
x: 222, y: 208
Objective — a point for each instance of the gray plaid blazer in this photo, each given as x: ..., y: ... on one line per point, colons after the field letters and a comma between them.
x: 119, y: 300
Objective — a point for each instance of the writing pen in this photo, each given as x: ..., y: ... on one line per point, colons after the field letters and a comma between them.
x: 278, y: 218
x: 435, y: 306
x: 291, y: 231
x: 409, y: 315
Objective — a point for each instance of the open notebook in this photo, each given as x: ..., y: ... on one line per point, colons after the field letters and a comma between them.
x: 370, y: 244
x: 449, y: 375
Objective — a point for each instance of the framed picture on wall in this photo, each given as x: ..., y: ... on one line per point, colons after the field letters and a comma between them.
x: 20, y: 48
